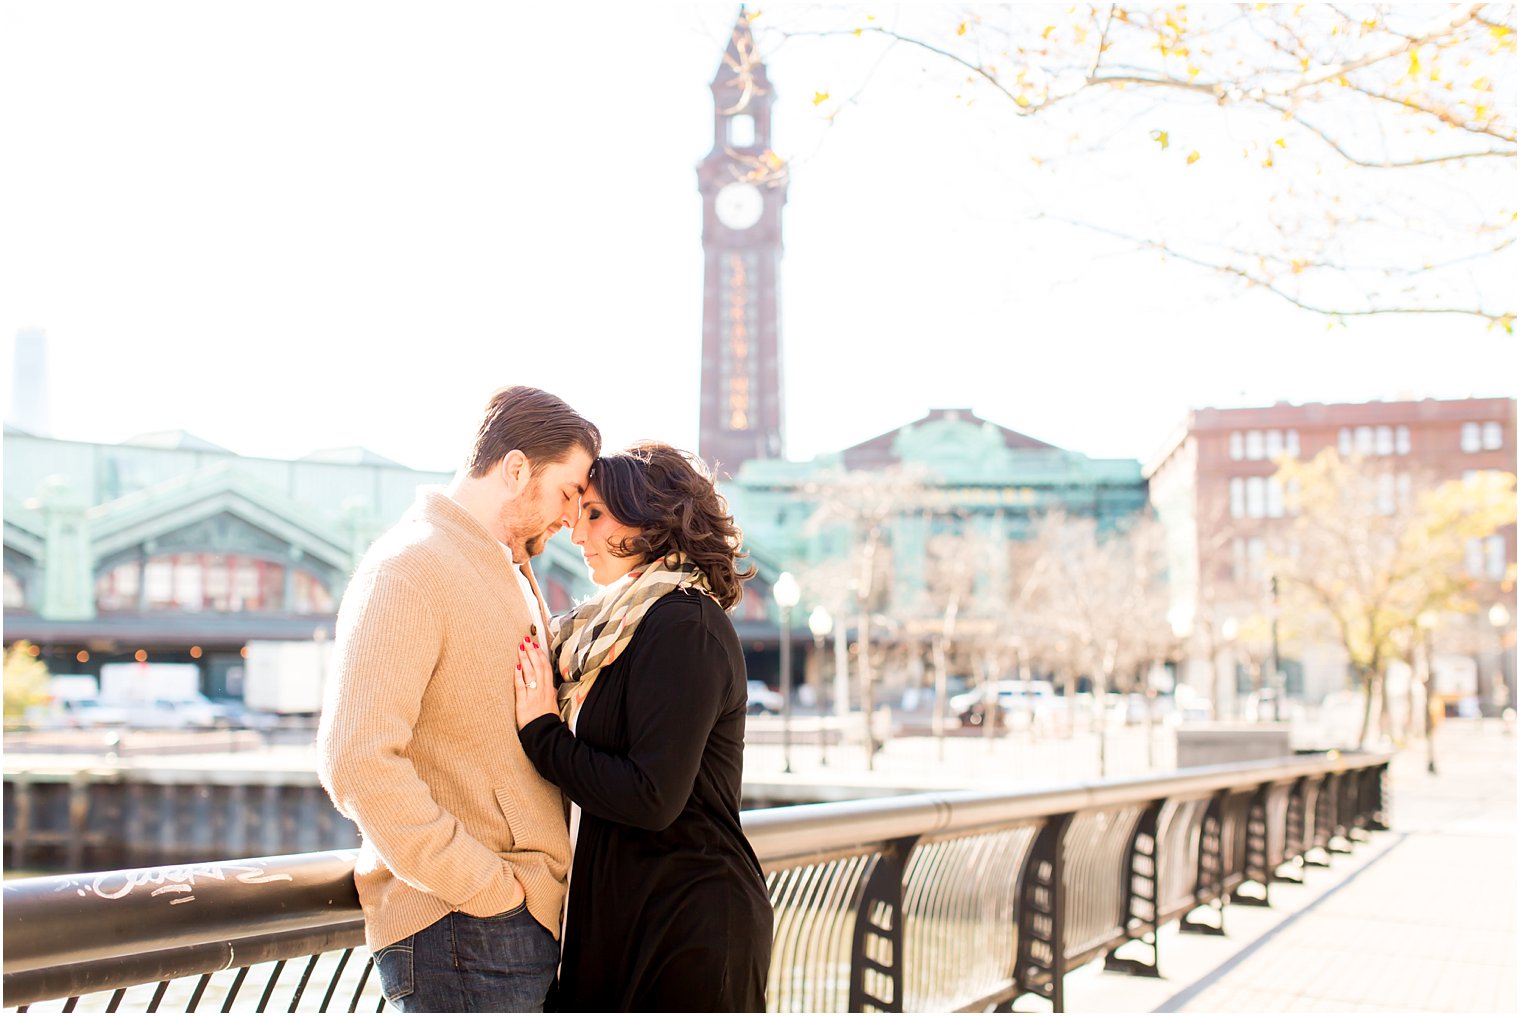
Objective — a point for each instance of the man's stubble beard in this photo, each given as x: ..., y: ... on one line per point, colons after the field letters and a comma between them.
x: 525, y: 532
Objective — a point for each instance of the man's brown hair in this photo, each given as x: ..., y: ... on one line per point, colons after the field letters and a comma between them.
x: 538, y: 424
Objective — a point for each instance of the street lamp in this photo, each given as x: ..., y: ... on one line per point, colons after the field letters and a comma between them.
x: 1225, y: 681
x: 1426, y: 623
x: 1498, y: 619
x: 787, y: 594
x: 820, y: 623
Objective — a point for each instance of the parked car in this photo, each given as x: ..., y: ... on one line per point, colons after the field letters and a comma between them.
x: 83, y: 713
x: 762, y: 699
x: 189, y: 711
x: 1021, y: 704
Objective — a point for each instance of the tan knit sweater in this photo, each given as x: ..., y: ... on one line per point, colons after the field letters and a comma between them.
x: 418, y: 739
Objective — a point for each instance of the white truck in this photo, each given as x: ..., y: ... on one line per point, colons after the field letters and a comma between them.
x: 286, y: 678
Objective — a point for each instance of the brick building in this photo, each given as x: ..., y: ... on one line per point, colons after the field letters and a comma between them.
x: 1212, y: 486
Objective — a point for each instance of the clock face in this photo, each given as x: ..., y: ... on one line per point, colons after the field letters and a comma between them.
x: 739, y: 205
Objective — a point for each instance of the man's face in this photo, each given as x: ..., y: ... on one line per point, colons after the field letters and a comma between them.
x: 549, y: 502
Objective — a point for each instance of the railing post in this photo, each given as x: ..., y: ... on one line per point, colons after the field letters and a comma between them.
x: 876, y: 957
x: 1256, y: 852
x: 1294, y: 843
x: 1317, y: 850
x: 1381, y: 810
x: 1345, y: 784
x: 1211, y: 873
x: 1041, y: 963
x: 1142, y: 898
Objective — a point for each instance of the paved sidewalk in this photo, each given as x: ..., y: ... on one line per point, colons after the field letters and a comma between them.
x: 1421, y: 919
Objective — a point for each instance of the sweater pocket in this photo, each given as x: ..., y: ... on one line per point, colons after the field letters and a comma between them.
x: 536, y: 823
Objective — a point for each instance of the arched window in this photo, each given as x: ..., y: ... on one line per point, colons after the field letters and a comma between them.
x: 213, y: 583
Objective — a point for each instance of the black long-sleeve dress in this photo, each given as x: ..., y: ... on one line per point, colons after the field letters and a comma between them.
x: 668, y: 909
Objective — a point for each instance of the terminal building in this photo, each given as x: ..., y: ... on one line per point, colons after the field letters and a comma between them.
x: 169, y: 549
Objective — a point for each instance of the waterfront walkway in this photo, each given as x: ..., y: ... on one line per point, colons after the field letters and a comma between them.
x: 1422, y: 919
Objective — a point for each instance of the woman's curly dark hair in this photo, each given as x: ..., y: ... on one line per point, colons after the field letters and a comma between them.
x: 669, y: 497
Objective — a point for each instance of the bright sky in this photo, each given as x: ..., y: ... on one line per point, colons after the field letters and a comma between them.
x: 291, y: 226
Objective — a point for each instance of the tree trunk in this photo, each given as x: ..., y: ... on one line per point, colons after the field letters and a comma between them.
x: 1367, y: 690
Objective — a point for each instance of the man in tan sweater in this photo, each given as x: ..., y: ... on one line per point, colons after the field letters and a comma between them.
x: 462, y: 870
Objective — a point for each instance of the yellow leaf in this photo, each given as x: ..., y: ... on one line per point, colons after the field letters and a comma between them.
x: 1281, y: 143
x: 819, y: 98
x: 1298, y: 265
x: 1193, y: 72
x: 857, y: 31
x: 1414, y: 62
x: 961, y: 29
x: 1193, y: 157
x: 1162, y: 138
x: 1048, y: 29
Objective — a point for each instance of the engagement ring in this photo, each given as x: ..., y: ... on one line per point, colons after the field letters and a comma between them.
x: 532, y: 684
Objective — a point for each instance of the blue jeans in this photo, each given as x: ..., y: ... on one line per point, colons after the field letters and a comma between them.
x: 461, y: 963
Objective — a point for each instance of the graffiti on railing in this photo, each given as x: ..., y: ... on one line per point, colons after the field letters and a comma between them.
x: 113, y: 885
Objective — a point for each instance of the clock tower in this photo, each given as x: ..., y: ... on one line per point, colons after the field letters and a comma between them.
x: 743, y: 186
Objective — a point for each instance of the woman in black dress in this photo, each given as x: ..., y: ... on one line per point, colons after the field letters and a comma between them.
x: 637, y: 712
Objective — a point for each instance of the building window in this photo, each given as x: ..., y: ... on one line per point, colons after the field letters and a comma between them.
x: 1364, y: 442
x: 222, y: 583
x: 1237, y: 498
x: 1292, y: 444
x: 1493, y: 437
x: 1387, y: 501
x: 1254, y: 447
x: 1486, y: 557
x: 1237, y: 445
x: 1472, y: 437
x: 1401, y: 440
x: 1494, y: 557
x: 1274, y: 444
x: 1274, y: 498
x: 1256, y: 496
x: 1475, y: 557
x: 15, y: 595
x: 1345, y: 442
x: 1383, y: 438
x: 741, y: 130
x: 1250, y: 559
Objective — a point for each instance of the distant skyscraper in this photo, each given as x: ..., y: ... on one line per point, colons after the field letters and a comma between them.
x: 29, y: 383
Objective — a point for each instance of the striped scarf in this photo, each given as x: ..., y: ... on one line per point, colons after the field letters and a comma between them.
x: 593, y: 635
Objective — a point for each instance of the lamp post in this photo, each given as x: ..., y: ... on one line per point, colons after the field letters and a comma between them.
x: 1226, y: 680
x: 1279, y: 684
x: 1498, y: 619
x: 787, y: 594
x: 820, y: 623
x: 1427, y: 622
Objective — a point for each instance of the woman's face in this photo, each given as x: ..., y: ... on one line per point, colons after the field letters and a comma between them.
x: 598, y: 535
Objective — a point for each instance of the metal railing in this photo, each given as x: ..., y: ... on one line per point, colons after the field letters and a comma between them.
x: 962, y: 900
